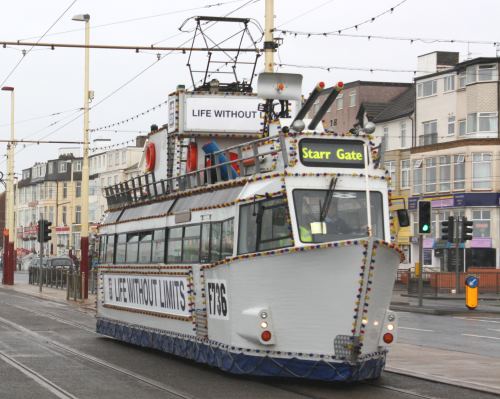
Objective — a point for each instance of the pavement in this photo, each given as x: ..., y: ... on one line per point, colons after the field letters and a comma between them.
x: 440, y: 365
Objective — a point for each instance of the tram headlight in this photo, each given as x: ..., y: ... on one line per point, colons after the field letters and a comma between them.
x: 263, y: 324
x: 390, y: 327
x: 263, y: 315
x: 375, y: 323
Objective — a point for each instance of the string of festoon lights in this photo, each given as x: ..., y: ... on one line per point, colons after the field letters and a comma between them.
x: 113, y: 146
x: 338, y: 31
x: 129, y: 119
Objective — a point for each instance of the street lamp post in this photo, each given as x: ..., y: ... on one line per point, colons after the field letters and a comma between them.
x: 84, y: 232
x: 9, y: 234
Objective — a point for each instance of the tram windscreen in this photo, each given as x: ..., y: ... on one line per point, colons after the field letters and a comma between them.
x: 345, y: 219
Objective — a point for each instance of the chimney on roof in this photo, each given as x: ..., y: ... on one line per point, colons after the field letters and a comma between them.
x: 140, y: 140
x: 437, y: 61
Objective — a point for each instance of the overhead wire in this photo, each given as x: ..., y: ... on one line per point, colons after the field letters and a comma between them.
x: 40, y: 38
x: 349, y: 68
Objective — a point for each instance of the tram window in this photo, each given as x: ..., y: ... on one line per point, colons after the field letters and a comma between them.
x: 174, y: 247
x: 263, y: 226
x: 205, y: 243
x: 145, y: 246
x: 274, y: 229
x: 121, y: 246
x: 132, y: 247
x: 191, y: 244
x: 215, y: 241
x: 110, y: 249
x: 346, y: 217
x: 227, y: 238
x: 159, y: 246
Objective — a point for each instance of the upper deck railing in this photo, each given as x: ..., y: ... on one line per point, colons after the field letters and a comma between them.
x: 247, y: 163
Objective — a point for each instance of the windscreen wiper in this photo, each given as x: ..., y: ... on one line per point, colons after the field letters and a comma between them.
x: 328, y: 199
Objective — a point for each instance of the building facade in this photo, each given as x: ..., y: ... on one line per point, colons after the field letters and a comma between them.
x: 453, y: 158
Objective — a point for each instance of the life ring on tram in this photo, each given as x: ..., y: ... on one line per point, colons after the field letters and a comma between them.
x: 150, y: 157
x: 192, y: 157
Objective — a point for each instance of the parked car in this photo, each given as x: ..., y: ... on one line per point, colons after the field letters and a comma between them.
x: 35, y: 262
x: 64, y: 262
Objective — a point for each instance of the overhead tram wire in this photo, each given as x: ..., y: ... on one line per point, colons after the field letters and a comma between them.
x: 348, y: 68
x: 136, y: 76
x: 124, y: 21
x: 36, y: 43
x: 41, y: 117
x: 163, y: 57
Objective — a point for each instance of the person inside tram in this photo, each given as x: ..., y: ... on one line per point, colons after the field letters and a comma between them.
x: 335, y: 224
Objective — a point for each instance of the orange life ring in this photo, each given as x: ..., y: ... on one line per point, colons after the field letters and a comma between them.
x: 192, y: 157
x: 150, y: 157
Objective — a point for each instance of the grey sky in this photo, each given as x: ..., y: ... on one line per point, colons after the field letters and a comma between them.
x: 49, y: 81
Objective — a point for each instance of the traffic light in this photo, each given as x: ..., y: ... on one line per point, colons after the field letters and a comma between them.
x: 448, y: 229
x: 44, y: 231
x: 424, y: 217
x: 467, y: 229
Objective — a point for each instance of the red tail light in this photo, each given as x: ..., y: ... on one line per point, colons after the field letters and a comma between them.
x: 266, y: 336
x: 388, y: 338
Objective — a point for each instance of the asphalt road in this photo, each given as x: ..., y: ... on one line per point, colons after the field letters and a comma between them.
x: 467, y: 332
x: 50, y: 350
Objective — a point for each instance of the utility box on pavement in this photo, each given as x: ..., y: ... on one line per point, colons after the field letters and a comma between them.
x: 471, y: 291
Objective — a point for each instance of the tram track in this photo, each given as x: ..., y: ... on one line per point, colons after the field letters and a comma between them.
x: 45, y: 341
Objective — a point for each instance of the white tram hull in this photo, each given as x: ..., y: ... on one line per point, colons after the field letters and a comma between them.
x: 325, y: 305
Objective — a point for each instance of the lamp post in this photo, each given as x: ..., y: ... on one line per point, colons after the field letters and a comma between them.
x: 9, y: 234
x: 84, y: 232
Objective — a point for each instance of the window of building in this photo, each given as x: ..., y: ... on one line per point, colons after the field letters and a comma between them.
x: 461, y: 80
x: 481, y: 170
x: 430, y: 127
x: 78, y: 214
x: 444, y: 173
x: 462, y: 127
x: 352, y: 98
x: 117, y: 158
x: 124, y: 157
x: 390, y: 166
x: 64, y: 219
x: 459, y: 172
x: 405, y: 174
x: 417, y: 176
x: 78, y: 189
x: 471, y: 74
x: 63, y: 167
x: 65, y: 190
x: 78, y: 166
x: 481, y: 219
x: 51, y: 167
x: 451, y: 124
x: 340, y: 101
x: 402, y: 130
x: 482, y: 122
x: 426, y: 89
x: 110, y: 160
x: 430, y: 175
x: 449, y: 83
x: 486, y: 72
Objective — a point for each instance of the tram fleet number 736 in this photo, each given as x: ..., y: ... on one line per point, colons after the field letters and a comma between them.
x: 217, y: 299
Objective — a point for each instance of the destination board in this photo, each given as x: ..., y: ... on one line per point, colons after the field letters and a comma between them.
x: 332, y: 153
x: 159, y: 294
